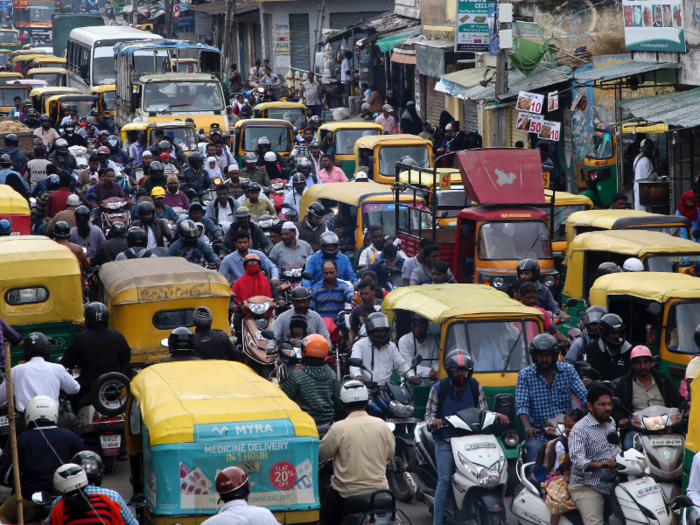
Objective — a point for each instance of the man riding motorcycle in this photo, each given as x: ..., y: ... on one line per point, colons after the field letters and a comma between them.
x: 210, y: 343
x: 181, y: 343
x: 137, y: 241
x: 330, y: 244
x: 211, y: 230
x: 609, y: 355
x: 196, y: 179
x: 315, y: 325
x: 63, y: 158
x: 591, y: 318
x: 530, y: 269
x: 191, y: 247
x: 292, y: 195
x: 258, y: 239
x: 158, y: 230
x: 312, y: 226
x: 119, y: 156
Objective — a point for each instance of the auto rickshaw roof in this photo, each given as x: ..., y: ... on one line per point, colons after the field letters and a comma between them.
x: 333, y: 126
x: 502, y: 213
x: 138, y: 126
x: 174, y: 397
x: 441, y: 302
x: 13, y: 74
x: 9, y: 31
x: 53, y: 90
x: 620, y: 219
x: 263, y: 122
x: 506, y: 176
x: 50, y: 58
x: 31, y: 82
x: 426, y: 179
x: 630, y: 242
x: 391, y: 140
x: 655, y: 286
x: 35, y: 256
x: 61, y: 70
x: 160, y: 279
x: 353, y: 193
x: 103, y: 89
x: 644, y: 127
x: 72, y: 97
x: 564, y: 198
x: 279, y: 105
x: 28, y: 57
x: 12, y: 202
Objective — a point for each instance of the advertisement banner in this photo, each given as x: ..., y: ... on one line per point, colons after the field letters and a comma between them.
x: 550, y: 130
x: 531, y: 102
x: 652, y: 26
x: 529, y: 122
x: 472, y: 26
x: 553, y: 101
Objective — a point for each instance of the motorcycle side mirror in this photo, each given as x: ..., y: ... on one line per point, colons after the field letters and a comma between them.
x: 164, y: 342
x: 582, y: 366
x: 571, y: 302
x: 285, y: 205
x: 41, y: 498
x: 443, y: 215
x: 613, y: 438
x: 656, y: 359
x: 356, y: 362
x: 654, y: 308
x: 418, y: 359
x: 268, y: 334
x: 434, y: 328
x: 307, y: 275
x: 138, y: 501
x: 681, y: 502
x: 616, y: 401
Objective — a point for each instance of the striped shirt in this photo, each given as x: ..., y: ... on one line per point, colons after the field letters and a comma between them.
x: 330, y: 302
x: 98, y: 514
x: 316, y: 390
x: 128, y: 516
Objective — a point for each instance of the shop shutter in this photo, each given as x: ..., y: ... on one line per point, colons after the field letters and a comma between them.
x: 299, y: 41
x: 515, y: 134
x: 470, y: 116
x: 434, y: 101
x: 268, y: 40
x: 257, y: 42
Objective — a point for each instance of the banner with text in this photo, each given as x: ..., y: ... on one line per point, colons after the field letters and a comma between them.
x: 653, y: 26
x: 472, y: 26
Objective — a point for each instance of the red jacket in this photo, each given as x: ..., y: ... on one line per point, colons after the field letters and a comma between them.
x: 57, y: 201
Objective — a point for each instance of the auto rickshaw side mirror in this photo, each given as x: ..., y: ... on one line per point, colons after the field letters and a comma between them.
x: 444, y: 214
x: 654, y: 308
x: 164, y: 342
x: 696, y: 233
x: 464, y: 231
x: 41, y: 498
x: 138, y: 501
x: 571, y: 302
x: 268, y: 334
x: 307, y: 275
x: 562, y: 230
x: 434, y: 328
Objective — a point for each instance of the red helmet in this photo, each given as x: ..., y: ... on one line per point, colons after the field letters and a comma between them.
x: 232, y: 480
x: 251, y: 257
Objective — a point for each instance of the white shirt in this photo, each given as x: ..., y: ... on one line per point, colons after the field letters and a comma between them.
x: 386, y: 360
x: 409, y: 347
x: 152, y: 242
x: 38, y: 378
x: 367, y: 255
x: 238, y: 512
x: 226, y: 214
x: 693, y: 490
x: 317, y: 165
x: 292, y: 198
x: 345, y: 71
x: 643, y: 168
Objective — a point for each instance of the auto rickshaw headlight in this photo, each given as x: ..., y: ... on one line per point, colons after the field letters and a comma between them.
x: 497, y: 282
x: 549, y: 281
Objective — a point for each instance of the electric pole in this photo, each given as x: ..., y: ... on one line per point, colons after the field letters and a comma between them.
x: 501, y: 114
x: 168, y: 19
x: 226, y: 44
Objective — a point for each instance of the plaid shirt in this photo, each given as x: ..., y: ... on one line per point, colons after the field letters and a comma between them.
x: 432, y: 406
x: 329, y: 303
x: 129, y: 518
x: 588, y: 442
x: 534, y: 398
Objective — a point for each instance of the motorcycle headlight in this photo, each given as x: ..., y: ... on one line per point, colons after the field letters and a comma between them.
x: 511, y: 438
x: 265, y: 224
x: 402, y: 410
x: 259, y: 309
x: 655, y: 423
x: 296, y: 272
x: 497, y: 282
x: 488, y: 477
x: 261, y: 90
x: 550, y: 281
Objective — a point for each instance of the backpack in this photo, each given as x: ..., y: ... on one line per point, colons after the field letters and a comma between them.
x: 16, y: 164
x: 444, y: 388
x: 547, y: 456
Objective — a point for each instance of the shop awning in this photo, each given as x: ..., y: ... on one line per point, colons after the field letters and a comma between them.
x: 377, y: 27
x: 623, y: 70
x: 403, y: 58
x: 675, y: 109
x: 458, y: 83
x: 389, y: 43
x: 219, y: 8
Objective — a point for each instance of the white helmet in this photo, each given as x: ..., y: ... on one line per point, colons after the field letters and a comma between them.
x: 353, y: 392
x: 61, y: 143
x: 270, y: 157
x: 264, y: 141
x: 633, y: 265
x: 42, y: 411
x: 68, y: 478
x: 360, y: 176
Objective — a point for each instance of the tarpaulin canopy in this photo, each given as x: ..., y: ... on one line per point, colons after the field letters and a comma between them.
x: 676, y: 109
x: 389, y: 43
x: 502, y: 176
x: 528, y: 54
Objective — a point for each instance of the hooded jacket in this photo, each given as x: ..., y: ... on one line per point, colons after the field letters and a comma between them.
x: 316, y: 390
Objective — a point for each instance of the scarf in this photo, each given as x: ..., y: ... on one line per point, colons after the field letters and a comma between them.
x: 689, y: 213
x: 445, y: 119
x: 409, y: 114
x: 248, y: 286
x: 215, y: 171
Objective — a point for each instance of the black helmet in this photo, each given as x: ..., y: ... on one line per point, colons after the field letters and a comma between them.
x: 181, y: 340
x: 96, y: 313
x: 137, y: 237
x: 91, y: 463
x: 378, y: 321
x: 300, y: 293
x: 36, y: 344
x: 61, y: 230
x: 612, y: 323
x: 303, y: 163
x: 593, y: 314
x: 696, y: 336
x: 196, y: 160
x: 529, y: 265
x: 456, y: 359
x: 607, y: 268
x: 11, y: 140
x: 146, y: 207
x: 117, y: 230
x: 253, y: 186
x: 188, y: 231
x: 316, y: 209
x: 543, y: 343
x: 5, y: 160
x: 315, y: 121
x: 246, y: 111
x: 82, y: 214
x: 298, y: 178
x: 329, y: 239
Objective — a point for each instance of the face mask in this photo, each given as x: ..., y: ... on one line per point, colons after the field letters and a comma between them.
x: 252, y: 269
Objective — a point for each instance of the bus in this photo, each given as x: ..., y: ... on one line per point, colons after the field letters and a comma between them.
x: 90, y: 54
x: 34, y: 16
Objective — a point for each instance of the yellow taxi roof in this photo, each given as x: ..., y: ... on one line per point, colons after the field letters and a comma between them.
x: 282, y: 105
x: 160, y: 279
x: 50, y: 58
x: 12, y: 202
x: 14, y: 74
x: 32, y: 255
x: 371, y: 142
x: 631, y: 242
x: 425, y: 179
x: 137, y: 126
x: 441, y: 302
x: 332, y: 126
x: 353, y: 193
x: 564, y: 198
x: 604, y: 218
x: 656, y: 286
x: 36, y: 70
x: 103, y: 89
x: 175, y: 397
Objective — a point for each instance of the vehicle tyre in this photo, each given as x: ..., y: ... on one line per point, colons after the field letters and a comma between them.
x: 394, y: 473
x: 108, y: 463
x: 109, y: 394
x: 513, y: 480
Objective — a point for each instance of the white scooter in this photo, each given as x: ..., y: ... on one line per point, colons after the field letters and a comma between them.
x: 641, y: 498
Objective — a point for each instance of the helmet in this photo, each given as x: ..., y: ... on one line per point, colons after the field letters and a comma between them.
x: 270, y: 156
x: 45, y: 118
x: 264, y: 141
x: 612, y: 323
x: 326, y: 239
x: 378, y: 321
x: 61, y: 230
x: 298, y: 320
x: 607, y: 268
x: 6, y: 228
x: 202, y: 316
x: 53, y: 180
x: 633, y: 265
x: 298, y: 178
x: 5, y: 160
x: 36, y: 344
x: 246, y: 111
x: 196, y: 158
x: 31, y: 112
x: 188, y: 232
x: 117, y: 230
x: 73, y: 201
x: 96, y: 313
x: 242, y: 211
x: 41, y: 411
x: 11, y: 140
x: 314, y: 345
x: 136, y: 238
x: 69, y: 478
x: 353, y: 392
x: 82, y: 214
x: 640, y: 351
x: 300, y: 293
x: 181, y: 339
x: 407, y: 159
x: 543, y: 343
x: 314, y: 144
x: 361, y: 176
x: 112, y: 141
x: 155, y: 166
x: 458, y: 358
x: 303, y: 163
x: 91, y: 463
x: 315, y: 121
x: 250, y: 257
x: 253, y: 186
x: 146, y: 207
x: 529, y: 265
x: 164, y: 145
x: 61, y: 143
x: 232, y: 481
x: 593, y: 314
x: 251, y: 157
x: 316, y: 209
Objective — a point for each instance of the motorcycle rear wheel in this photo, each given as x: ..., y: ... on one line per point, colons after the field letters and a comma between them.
x: 395, y: 476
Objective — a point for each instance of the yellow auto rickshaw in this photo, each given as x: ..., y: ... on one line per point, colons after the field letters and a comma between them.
x: 345, y: 134
x: 8, y: 95
x: 564, y: 205
x: 24, y: 61
x: 39, y: 95
x: 5, y: 57
x: 277, y: 110
x: 357, y: 206
x: 54, y: 105
x: 15, y: 208
x: 54, y: 76
x: 182, y: 65
x: 41, y: 288
x: 599, y: 220
x: 184, y: 135
x: 187, y: 421
x: 50, y: 62
x: 108, y: 97
x: 9, y: 39
x: 451, y: 198
x: 164, y: 291
x: 380, y: 154
x: 247, y: 132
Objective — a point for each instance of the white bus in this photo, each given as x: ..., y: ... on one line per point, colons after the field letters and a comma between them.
x: 90, y: 54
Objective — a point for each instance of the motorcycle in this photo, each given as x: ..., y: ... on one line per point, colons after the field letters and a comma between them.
x: 277, y: 193
x: 259, y: 315
x: 640, y: 497
x: 263, y: 93
x: 378, y: 508
x: 288, y: 359
x: 291, y: 274
x: 114, y: 210
x: 394, y: 404
x: 81, y: 159
x: 266, y: 222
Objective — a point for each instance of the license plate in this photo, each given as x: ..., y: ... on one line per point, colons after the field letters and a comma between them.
x: 402, y: 420
x: 666, y: 442
x: 110, y: 441
x: 4, y: 421
x: 485, y: 444
x: 650, y: 489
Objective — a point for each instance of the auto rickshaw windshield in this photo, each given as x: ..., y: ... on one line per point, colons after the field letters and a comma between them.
x: 451, y: 198
x: 383, y: 215
x: 185, y: 96
x: 390, y: 155
x: 84, y: 106
x: 109, y: 100
x: 184, y: 137
x: 7, y: 96
x: 279, y: 138
x: 494, y: 345
x: 561, y: 213
x: 8, y: 37
x: 298, y: 117
x: 601, y: 146
x: 514, y: 240
x: 683, y: 317
x: 670, y: 262
x: 53, y: 79
x: 345, y: 139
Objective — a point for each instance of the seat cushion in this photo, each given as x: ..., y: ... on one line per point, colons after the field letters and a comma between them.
x: 361, y: 503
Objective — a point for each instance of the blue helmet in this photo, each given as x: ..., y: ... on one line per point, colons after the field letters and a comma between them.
x: 5, y: 227
x: 54, y: 180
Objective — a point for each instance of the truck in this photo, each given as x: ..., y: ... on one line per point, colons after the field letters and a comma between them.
x: 63, y: 24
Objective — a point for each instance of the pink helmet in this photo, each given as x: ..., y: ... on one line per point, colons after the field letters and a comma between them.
x: 640, y: 351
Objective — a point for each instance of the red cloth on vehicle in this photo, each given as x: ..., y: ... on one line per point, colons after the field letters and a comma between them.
x: 248, y: 286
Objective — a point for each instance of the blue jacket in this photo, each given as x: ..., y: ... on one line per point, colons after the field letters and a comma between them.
x: 208, y: 253
x: 11, y: 150
x: 315, y: 264
x: 683, y: 234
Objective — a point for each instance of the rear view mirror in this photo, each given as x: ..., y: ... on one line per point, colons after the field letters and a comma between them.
x: 307, y: 275
x: 571, y: 302
x: 268, y: 334
x: 613, y: 438
x: 138, y: 501
x: 444, y: 214
x: 356, y: 362
x: 164, y: 342
x: 416, y: 361
x: 434, y: 329
x: 41, y: 498
x: 654, y: 308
